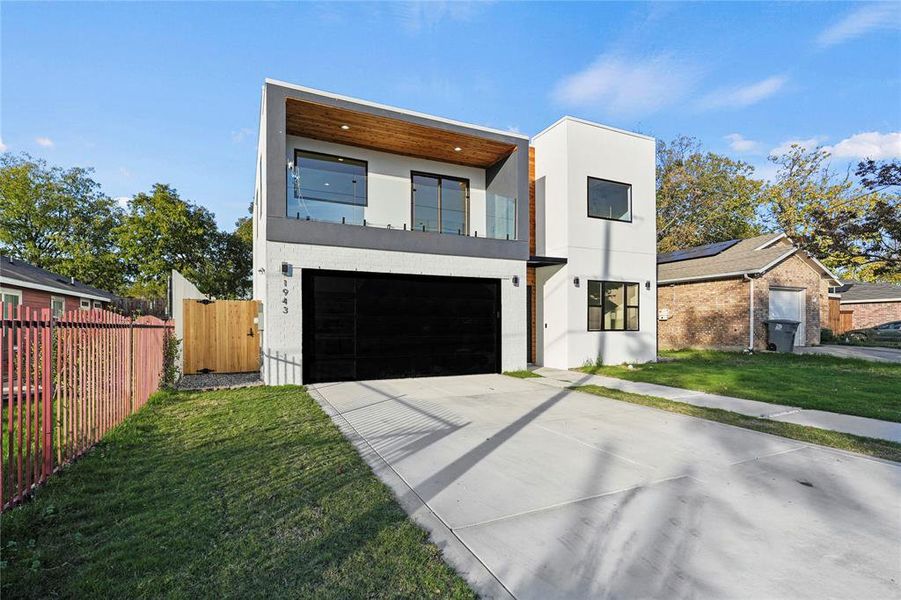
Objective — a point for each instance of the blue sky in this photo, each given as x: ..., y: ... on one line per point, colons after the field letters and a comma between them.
x: 169, y: 92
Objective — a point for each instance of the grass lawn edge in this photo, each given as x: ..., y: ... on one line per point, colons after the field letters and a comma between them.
x: 872, y: 447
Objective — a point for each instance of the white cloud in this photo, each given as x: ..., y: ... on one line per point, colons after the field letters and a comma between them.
x: 122, y: 201
x: 626, y: 86
x: 871, y: 17
x: 427, y: 14
x: 745, y: 95
x: 807, y: 144
x: 740, y: 143
x: 43, y: 141
x: 242, y: 134
x: 871, y: 144
x: 3, y: 146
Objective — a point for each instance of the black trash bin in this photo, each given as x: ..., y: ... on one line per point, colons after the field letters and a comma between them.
x: 781, y: 334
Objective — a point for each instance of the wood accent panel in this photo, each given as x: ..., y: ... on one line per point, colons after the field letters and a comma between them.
x: 320, y: 122
x: 531, y: 201
x: 846, y: 321
x: 835, y: 319
x: 221, y: 336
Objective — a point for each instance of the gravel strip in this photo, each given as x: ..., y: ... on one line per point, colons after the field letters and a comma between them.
x: 218, y: 381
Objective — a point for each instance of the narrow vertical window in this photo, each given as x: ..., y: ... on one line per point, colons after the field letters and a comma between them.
x: 57, y: 306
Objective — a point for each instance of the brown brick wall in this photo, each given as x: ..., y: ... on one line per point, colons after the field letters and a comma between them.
x: 704, y: 314
x: 870, y: 314
x: 714, y: 314
x: 792, y: 273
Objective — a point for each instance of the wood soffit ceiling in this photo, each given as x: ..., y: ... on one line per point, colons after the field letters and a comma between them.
x: 320, y: 122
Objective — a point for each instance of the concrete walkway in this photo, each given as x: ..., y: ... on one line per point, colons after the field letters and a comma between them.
x: 536, y: 492
x: 862, y: 352
x: 873, y: 428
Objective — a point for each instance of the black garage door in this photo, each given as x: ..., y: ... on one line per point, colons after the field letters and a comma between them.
x: 380, y: 326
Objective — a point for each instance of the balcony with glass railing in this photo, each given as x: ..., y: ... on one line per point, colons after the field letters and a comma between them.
x: 334, y: 189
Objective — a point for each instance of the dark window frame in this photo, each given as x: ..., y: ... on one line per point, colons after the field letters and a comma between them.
x: 626, y: 305
x: 326, y: 154
x: 439, y: 177
x: 588, y: 199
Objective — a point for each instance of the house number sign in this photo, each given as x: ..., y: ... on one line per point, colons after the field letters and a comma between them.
x: 285, y: 297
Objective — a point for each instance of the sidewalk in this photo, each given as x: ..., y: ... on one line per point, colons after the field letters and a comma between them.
x: 872, y: 428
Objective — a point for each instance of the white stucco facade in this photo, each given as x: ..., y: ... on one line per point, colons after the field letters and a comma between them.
x: 566, y: 154
x: 281, y: 333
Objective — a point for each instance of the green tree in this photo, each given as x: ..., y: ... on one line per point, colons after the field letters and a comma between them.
x: 851, y: 226
x: 59, y: 220
x: 161, y: 232
x: 703, y: 197
x: 228, y: 269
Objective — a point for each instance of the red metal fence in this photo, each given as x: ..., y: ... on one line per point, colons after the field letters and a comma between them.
x: 66, y: 382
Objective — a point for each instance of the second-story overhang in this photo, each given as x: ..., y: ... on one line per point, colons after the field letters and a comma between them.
x: 343, y: 120
x: 292, y: 110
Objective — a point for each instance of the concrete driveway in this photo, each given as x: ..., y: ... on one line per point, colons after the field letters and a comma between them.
x: 534, y: 491
x: 863, y: 352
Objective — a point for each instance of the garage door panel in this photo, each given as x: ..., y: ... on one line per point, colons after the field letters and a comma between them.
x: 372, y: 326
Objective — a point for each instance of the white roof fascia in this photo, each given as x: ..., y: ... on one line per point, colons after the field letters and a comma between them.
x: 593, y: 124
x: 47, y: 288
x: 402, y: 111
x: 869, y: 301
x: 771, y: 242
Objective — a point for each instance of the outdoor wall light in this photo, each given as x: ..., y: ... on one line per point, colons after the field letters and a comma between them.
x: 286, y: 269
x: 515, y: 281
x: 647, y: 285
x: 345, y: 127
x: 576, y: 281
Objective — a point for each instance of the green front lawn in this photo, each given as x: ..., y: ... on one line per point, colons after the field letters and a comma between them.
x: 854, y: 387
x: 240, y: 493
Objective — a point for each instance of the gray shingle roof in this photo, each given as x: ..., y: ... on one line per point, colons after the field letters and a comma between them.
x: 746, y: 256
x: 25, y: 273
x: 858, y: 291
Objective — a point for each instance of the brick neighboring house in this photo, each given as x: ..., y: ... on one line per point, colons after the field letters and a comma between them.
x: 870, y: 304
x: 23, y: 284
x: 709, y: 296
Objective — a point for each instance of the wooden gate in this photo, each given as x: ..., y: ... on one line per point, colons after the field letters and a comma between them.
x: 220, y: 336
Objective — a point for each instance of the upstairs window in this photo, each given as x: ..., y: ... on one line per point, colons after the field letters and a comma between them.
x: 323, y: 187
x: 609, y: 200
x: 612, y: 306
x: 440, y: 204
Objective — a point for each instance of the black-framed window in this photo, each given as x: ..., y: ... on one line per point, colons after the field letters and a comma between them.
x: 612, y: 306
x: 610, y: 200
x: 327, y: 188
x: 440, y: 203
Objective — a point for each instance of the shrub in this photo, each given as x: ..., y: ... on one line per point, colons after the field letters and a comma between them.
x: 826, y: 335
x: 169, y: 376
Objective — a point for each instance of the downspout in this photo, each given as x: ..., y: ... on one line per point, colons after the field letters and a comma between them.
x: 750, y: 313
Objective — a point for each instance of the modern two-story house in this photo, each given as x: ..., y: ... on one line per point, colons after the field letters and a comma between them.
x: 390, y: 243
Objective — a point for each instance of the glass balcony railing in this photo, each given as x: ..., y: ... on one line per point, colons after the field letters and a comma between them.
x: 337, y: 201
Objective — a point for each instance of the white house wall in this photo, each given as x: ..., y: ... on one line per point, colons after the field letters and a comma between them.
x: 596, y: 249
x: 282, y: 351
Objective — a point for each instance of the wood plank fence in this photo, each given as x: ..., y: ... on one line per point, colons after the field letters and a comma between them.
x: 66, y: 381
x: 221, y: 336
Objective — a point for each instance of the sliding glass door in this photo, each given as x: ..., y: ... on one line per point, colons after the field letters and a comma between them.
x: 440, y: 204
